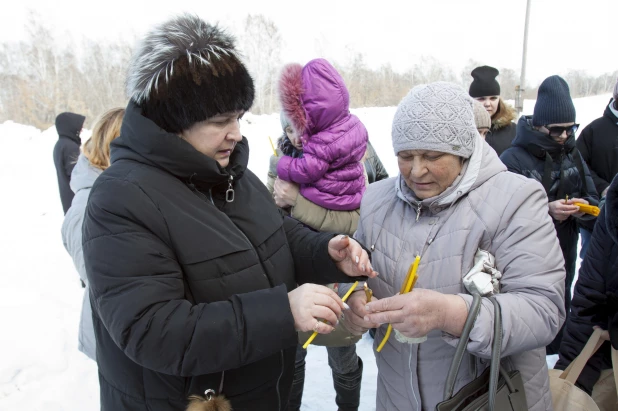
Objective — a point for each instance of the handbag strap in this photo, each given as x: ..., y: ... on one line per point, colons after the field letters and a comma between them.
x: 496, y: 370
x: 496, y: 348
x: 461, y: 346
x: 572, y: 372
x: 615, y: 365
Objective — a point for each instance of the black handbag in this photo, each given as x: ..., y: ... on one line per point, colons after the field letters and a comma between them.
x: 495, y: 388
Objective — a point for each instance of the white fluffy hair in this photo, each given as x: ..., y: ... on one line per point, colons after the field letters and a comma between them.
x: 184, y: 35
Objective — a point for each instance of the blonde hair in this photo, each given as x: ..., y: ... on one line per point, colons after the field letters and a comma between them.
x: 105, y: 130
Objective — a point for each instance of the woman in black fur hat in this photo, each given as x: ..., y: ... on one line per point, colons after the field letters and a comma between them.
x: 193, y: 269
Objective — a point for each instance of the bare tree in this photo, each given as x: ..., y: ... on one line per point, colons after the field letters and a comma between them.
x: 40, y: 78
x: 261, y: 44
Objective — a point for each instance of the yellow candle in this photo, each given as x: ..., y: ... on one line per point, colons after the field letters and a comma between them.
x: 368, y: 293
x: 315, y: 333
x: 272, y: 146
x: 406, y: 287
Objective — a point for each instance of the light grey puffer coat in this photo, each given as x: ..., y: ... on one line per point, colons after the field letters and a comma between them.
x: 82, y: 178
x: 488, y: 208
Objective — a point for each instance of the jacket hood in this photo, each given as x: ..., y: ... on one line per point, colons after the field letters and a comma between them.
x: 313, y: 97
x: 143, y: 141
x: 482, y: 165
x: 70, y: 125
x: 538, y: 143
x: 611, y: 113
x: 611, y: 210
x: 84, y: 174
x: 506, y: 114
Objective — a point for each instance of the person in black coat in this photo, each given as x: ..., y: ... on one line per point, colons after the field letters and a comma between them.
x: 193, y: 269
x: 598, y: 144
x: 544, y: 150
x: 66, y: 151
x: 486, y: 90
x: 595, y: 301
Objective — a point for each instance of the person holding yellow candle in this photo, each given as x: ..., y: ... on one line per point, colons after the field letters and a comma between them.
x: 198, y: 283
x: 452, y: 197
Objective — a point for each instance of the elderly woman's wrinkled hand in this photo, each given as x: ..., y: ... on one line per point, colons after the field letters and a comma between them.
x: 311, y: 303
x: 420, y: 311
x: 353, y: 317
x: 285, y: 193
x: 350, y: 257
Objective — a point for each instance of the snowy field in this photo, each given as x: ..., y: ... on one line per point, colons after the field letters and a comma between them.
x: 40, y: 293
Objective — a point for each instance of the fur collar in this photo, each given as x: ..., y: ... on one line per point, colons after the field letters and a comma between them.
x: 505, y: 115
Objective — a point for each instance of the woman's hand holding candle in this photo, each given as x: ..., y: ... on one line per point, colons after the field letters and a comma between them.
x: 420, y: 311
x: 353, y: 318
x: 311, y: 301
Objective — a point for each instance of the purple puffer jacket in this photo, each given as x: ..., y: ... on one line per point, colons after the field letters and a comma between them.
x: 316, y: 101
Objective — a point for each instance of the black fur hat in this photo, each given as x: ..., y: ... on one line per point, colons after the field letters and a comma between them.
x: 185, y: 71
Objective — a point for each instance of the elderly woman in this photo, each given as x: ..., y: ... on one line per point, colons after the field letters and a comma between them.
x: 452, y: 197
x: 193, y: 270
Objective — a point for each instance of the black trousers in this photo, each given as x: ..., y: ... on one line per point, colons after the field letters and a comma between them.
x: 567, y: 236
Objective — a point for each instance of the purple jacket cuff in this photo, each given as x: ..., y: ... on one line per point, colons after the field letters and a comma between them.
x: 283, y: 168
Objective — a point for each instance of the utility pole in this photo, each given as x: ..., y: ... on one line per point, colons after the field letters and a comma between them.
x: 519, y: 99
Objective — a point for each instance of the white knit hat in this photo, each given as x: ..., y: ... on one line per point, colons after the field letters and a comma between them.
x: 437, y: 117
x: 481, y: 116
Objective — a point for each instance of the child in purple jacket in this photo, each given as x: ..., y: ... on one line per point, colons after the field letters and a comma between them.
x: 316, y: 101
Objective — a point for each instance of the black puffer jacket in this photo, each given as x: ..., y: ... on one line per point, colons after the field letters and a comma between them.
x: 595, y: 301
x: 66, y: 151
x: 598, y: 144
x: 185, y: 285
x: 561, y: 171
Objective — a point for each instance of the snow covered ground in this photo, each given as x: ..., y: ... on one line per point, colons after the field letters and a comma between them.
x: 40, y: 294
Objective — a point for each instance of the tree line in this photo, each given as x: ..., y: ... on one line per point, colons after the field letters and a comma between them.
x: 39, y: 78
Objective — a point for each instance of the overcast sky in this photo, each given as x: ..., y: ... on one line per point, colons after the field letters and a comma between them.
x: 564, y: 34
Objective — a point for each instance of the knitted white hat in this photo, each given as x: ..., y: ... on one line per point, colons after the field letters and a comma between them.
x: 481, y: 116
x: 437, y: 117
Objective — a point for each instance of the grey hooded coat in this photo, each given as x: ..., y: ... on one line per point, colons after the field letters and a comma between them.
x: 83, y: 176
x: 488, y: 208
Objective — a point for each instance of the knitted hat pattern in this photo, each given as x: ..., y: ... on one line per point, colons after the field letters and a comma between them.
x: 482, y: 119
x: 436, y: 117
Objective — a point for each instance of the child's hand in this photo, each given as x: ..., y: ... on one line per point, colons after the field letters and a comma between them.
x: 285, y: 193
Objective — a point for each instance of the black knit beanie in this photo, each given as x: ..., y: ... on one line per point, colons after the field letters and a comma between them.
x: 553, y: 103
x: 484, y: 83
x: 185, y: 71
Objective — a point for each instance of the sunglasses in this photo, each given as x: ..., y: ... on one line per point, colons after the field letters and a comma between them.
x: 556, y: 131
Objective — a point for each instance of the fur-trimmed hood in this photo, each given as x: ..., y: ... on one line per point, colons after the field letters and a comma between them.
x: 313, y: 97
x: 505, y: 115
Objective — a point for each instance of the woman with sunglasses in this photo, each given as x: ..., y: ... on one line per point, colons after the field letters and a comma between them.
x: 544, y: 149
